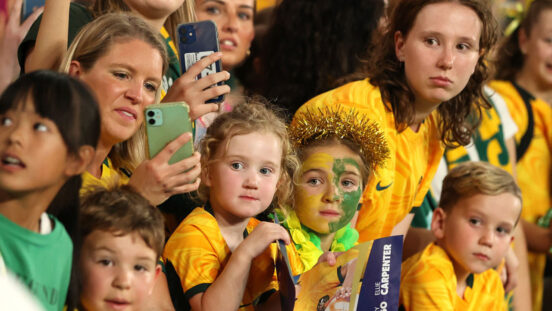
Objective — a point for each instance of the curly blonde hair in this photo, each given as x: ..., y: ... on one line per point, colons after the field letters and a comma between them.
x: 254, y: 115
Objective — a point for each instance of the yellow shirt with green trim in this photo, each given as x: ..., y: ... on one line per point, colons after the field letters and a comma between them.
x: 534, y: 169
x: 405, y: 178
x: 109, y: 176
x: 198, y: 253
x: 428, y: 282
x: 173, y: 72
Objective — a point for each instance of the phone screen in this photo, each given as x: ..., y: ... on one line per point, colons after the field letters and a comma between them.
x: 28, y: 8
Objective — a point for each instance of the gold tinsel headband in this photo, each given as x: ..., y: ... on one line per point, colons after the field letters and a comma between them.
x: 323, y: 123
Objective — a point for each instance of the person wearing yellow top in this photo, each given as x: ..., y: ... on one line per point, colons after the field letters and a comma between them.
x: 473, y: 226
x: 197, y: 252
x: 338, y: 153
x: 418, y: 104
x: 247, y: 163
x: 524, y: 80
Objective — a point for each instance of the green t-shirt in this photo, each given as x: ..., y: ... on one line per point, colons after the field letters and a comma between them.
x: 40, y: 261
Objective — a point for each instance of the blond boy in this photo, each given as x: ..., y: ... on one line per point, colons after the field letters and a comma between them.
x: 473, y: 226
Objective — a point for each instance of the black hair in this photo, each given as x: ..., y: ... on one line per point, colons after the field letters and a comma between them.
x: 74, y: 110
x: 311, y: 46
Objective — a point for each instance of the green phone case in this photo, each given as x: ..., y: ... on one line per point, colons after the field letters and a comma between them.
x: 164, y: 123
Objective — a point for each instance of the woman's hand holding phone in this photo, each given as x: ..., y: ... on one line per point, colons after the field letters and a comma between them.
x: 196, y: 92
x: 157, y: 180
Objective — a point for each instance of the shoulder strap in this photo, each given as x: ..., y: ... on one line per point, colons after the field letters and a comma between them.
x: 525, y: 141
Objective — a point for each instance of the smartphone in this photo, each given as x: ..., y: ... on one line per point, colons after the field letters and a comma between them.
x: 196, y: 41
x: 29, y: 6
x: 164, y: 123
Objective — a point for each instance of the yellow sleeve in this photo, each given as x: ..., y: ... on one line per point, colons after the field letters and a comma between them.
x: 427, y: 283
x: 194, y: 257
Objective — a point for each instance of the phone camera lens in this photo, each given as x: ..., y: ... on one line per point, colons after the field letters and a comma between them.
x: 151, y: 121
x: 151, y: 113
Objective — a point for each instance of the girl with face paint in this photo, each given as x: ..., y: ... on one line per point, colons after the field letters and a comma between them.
x: 338, y: 151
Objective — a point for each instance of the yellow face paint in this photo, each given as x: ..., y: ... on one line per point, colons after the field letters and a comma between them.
x: 329, y: 190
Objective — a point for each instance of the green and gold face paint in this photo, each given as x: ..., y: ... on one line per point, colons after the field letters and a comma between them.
x: 330, y: 188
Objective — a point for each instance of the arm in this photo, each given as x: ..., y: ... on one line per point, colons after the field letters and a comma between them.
x: 12, y: 33
x: 226, y: 293
x: 402, y: 227
x: 539, y: 240
x: 51, y: 40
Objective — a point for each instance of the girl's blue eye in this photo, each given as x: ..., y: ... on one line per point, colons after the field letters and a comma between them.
x: 347, y: 183
x: 314, y: 181
x: 5, y: 121
x: 265, y: 170
x: 237, y: 165
x: 463, y: 46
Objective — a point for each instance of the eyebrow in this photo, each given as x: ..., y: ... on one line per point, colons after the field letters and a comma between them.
x: 241, y: 6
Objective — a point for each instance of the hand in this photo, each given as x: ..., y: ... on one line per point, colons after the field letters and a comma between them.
x: 329, y: 257
x: 12, y: 33
x: 509, y: 274
x: 261, y: 237
x: 196, y: 92
x: 157, y: 180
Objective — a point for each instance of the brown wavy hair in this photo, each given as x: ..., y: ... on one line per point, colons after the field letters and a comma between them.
x: 457, y: 116
x: 254, y: 115
x: 509, y: 59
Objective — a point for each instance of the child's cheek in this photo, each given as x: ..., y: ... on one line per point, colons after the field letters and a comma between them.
x: 349, y: 206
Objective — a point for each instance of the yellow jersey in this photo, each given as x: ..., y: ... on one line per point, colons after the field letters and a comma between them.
x: 109, y: 176
x: 405, y: 178
x: 198, y: 253
x: 534, y: 168
x: 428, y: 282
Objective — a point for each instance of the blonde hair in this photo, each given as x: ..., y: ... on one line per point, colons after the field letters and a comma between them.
x: 94, y: 41
x: 471, y: 178
x: 184, y: 14
x: 253, y: 115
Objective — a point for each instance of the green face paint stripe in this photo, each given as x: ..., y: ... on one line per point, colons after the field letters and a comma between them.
x: 350, y: 199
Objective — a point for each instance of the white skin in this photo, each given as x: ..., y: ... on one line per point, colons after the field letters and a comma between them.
x: 12, y: 32
x: 475, y: 233
x: 27, y: 186
x: 440, y: 53
x: 124, y: 88
x: 536, y: 73
x: 234, y: 19
x: 51, y: 44
x: 242, y: 182
x: 118, y: 272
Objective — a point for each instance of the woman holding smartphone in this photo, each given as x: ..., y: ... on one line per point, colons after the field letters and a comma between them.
x: 43, y: 48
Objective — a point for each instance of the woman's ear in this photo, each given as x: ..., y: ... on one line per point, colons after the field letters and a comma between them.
x: 77, y: 163
x: 399, y: 46
x: 438, y: 223
x: 75, y: 68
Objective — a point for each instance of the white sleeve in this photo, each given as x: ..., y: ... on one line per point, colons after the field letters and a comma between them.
x: 508, y: 125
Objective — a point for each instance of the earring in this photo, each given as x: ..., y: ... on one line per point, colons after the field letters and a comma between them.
x: 248, y: 52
